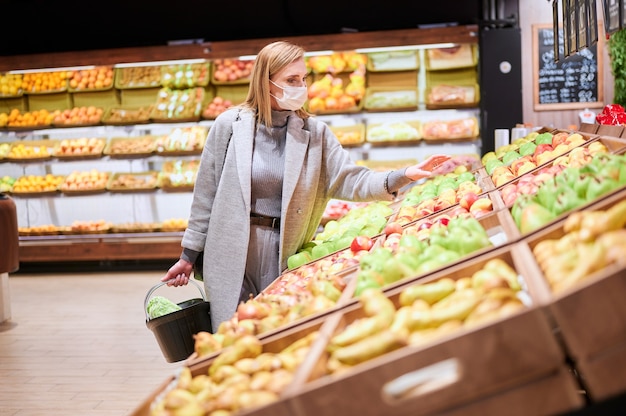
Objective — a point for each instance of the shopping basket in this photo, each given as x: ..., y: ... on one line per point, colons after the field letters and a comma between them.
x: 174, y: 332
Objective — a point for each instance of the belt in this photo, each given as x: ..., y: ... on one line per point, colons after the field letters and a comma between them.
x: 258, y: 219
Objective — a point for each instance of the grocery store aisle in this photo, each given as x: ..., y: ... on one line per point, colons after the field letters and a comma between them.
x: 77, y: 344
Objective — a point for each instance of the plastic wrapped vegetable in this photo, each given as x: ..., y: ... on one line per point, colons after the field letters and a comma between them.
x: 159, y: 306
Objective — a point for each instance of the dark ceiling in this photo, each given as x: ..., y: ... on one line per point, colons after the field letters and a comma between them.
x: 40, y: 26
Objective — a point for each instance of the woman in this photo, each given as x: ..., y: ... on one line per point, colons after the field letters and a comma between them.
x: 266, y: 174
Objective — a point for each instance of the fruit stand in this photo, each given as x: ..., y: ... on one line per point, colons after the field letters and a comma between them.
x: 98, y: 135
x: 524, y: 317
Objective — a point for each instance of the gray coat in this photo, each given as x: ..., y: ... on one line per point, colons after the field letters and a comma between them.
x: 317, y: 169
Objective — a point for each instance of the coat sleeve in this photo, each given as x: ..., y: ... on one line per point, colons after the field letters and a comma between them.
x: 345, y: 179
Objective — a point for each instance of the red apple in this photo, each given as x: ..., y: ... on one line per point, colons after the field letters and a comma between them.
x: 361, y: 242
x: 442, y: 204
x: 443, y: 220
x: 544, y: 147
x: 559, y: 138
x: 481, y: 204
x: 457, y: 211
x: 425, y: 225
x: 468, y: 199
x: 392, y: 228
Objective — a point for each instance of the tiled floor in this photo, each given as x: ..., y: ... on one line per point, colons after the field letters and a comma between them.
x: 77, y: 344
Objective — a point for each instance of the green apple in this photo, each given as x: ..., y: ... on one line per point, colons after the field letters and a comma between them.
x: 510, y: 156
x: 527, y: 148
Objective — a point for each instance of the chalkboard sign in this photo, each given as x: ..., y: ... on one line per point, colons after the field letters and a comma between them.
x: 569, y: 83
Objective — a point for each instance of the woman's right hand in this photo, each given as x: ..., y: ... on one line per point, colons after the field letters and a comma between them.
x: 178, y: 274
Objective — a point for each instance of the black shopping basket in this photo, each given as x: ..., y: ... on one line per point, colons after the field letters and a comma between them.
x: 174, y: 332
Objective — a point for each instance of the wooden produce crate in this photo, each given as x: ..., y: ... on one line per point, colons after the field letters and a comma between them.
x: 394, y: 79
x: 609, y: 130
x: 235, y: 93
x: 275, y: 345
x: 394, y: 133
x: 557, y: 393
x: 9, y: 103
x: 588, y: 128
x: 132, y: 181
x: 602, y: 375
x: 123, y: 116
x: 350, y: 136
x: 393, y: 61
x: 81, y: 148
x: 452, y: 96
x: 457, y: 129
x: 130, y: 147
x: 459, y: 56
x: 139, y: 97
x: 31, y: 150
x: 474, y: 361
x: 104, y: 99
x: 384, y: 99
x: 50, y: 102
x: 462, y: 76
x: 591, y: 314
x: 145, y: 76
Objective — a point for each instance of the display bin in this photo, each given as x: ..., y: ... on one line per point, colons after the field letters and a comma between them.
x: 395, y: 79
x: 36, y: 150
x: 104, y: 99
x: 139, y: 97
x: 244, y: 80
x: 50, y: 102
x: 500, y: 231
x: 602, y: 375
x: 130, y: 147
x: 590, y: 315
x: 125, y: 116
x: 471, y: 362
x: 464, y: 76
x: 387, y: 134
x: 461, y: 96
x: 557, y: 393
x: 274, y: 344
x: 186, y: 75
x: 388, y: 99
x: 393, y: 61
x: 236, y: 93
x: 589, y: 128
x: 350, y: 136
x: 10, y: 103
x: 443, y: 59
x: 512, y: 175
x: 609, y: 130
x: 79, y: 149
x: 138, y: 77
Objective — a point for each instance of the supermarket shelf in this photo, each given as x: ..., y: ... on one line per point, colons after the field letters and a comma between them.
x: 100, y: 247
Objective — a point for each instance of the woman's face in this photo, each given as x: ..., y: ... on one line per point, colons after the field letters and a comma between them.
x: 293, y: 75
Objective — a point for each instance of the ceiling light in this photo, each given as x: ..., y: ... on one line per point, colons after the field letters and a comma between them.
x: 157, y: 63
x: 405, y: 48
x: 34, y: 71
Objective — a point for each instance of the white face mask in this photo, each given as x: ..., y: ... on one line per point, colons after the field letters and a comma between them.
x: 293, y: 97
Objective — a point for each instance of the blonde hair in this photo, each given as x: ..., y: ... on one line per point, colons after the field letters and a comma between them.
x: 270, y: 60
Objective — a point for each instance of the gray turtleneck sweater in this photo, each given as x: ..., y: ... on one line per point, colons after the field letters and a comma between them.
x: 268, y: 165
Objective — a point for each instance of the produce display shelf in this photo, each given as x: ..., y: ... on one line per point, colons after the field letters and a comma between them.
x: 100, y: 247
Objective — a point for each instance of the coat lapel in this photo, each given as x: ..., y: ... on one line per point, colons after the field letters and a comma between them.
x: 295, y: 152
x: 243, y: 139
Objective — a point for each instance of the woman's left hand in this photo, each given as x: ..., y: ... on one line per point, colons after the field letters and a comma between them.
x: 424, y: 169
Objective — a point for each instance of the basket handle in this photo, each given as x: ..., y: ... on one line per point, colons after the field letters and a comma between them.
x: 158, y: 285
